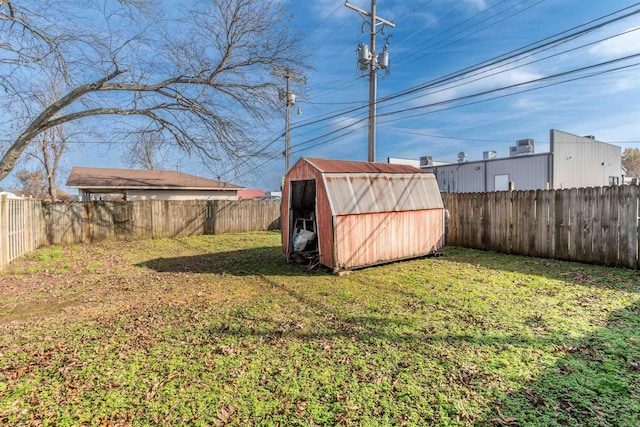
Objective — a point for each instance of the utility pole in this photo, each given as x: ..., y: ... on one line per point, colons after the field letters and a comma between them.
x: 290, y: 100
x: 374, y: 21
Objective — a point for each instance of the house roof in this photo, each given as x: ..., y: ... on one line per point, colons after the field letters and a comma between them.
x: 347, y: 166
x: 248, y: 193
x: 127, y: 179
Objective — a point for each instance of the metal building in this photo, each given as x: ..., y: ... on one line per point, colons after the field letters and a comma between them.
x: 573, y: 161
x: 357, y: 214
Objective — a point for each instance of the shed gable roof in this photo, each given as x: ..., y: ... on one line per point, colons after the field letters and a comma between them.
x: 108, y: 178
x: 347, y: 166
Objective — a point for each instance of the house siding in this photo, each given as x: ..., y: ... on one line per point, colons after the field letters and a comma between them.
x: 133, y: 195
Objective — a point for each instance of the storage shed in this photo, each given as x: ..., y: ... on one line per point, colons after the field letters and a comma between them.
x: 357, y: 214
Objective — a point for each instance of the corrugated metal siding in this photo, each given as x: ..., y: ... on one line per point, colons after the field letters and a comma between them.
x: 373, y: 238
x: 365, y: 193
x: 583, y: 162
x: 526, y: 172
x: 530, y: 172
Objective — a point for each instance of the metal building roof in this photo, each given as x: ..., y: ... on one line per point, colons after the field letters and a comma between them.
x: 359, y: 193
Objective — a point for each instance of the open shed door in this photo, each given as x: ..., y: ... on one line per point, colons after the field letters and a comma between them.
x: 302, y: 213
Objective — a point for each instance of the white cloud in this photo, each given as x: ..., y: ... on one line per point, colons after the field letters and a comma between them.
x: 626, y: 44
x: 478, y: 4
x: 478, y: 84
x: 347, y: 123
x: 529, y: 104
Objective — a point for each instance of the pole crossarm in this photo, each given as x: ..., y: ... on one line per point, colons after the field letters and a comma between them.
x: 290, y: 75
x: 368, y: 15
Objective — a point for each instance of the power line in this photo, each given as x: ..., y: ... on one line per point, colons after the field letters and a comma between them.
x: 495, y: 62
x: 484, y: 93
x: 465, y: 81
x: 541, y: 79
x: 512, y: 54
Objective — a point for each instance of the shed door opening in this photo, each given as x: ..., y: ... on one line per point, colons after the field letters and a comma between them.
x: 302, y: 215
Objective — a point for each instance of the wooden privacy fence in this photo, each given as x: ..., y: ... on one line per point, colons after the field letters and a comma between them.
x: 592, y: 225
x: 26, y: 225
x: 21, y: 231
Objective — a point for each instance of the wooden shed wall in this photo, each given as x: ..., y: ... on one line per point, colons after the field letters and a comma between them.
x: 374, y: 238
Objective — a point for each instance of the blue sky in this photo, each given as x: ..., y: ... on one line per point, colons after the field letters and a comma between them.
x: 433, y: 39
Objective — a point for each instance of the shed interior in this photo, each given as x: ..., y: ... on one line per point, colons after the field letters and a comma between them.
x: 302, y: 212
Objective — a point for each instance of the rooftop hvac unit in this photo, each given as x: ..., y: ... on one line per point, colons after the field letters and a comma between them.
x: 525, y: 142
x: 462, y: 157
x: 426, y: 161
x: 590, y: 136
x: 523, y: 146
x: 489, y: 155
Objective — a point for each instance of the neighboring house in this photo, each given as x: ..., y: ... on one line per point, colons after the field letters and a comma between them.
x: 573, y: 161
x: 94, y: 183
x: 356, y: 214
x: 249, y: 194
x: 9, y: 195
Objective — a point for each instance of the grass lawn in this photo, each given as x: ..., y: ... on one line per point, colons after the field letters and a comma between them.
x: 219, y: 330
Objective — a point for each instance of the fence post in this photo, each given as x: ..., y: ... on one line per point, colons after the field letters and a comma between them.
x: 4, y: 232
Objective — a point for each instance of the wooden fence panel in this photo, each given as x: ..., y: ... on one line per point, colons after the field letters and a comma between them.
x: 587, y: 199
x: 487, y: 218
x: 475, y: 225
x: 594, y: 225
x: 614, y: 226
x: 26, y: 225
x: 574, y: 234
x: 629, y: 228
x: 541, y: 237
x: 560, y: 240
x: 606, y: 216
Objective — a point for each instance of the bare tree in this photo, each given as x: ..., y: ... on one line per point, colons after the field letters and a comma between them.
x: 631, y: 161
x: 48, y: 149
x: 200, y: 76
x: 32, y: 183
x: 145, y: 152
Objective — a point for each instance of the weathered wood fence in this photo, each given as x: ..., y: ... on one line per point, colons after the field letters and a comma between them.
x: 21, y: 229
x: 26, y: 225
x: 592, y: 225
